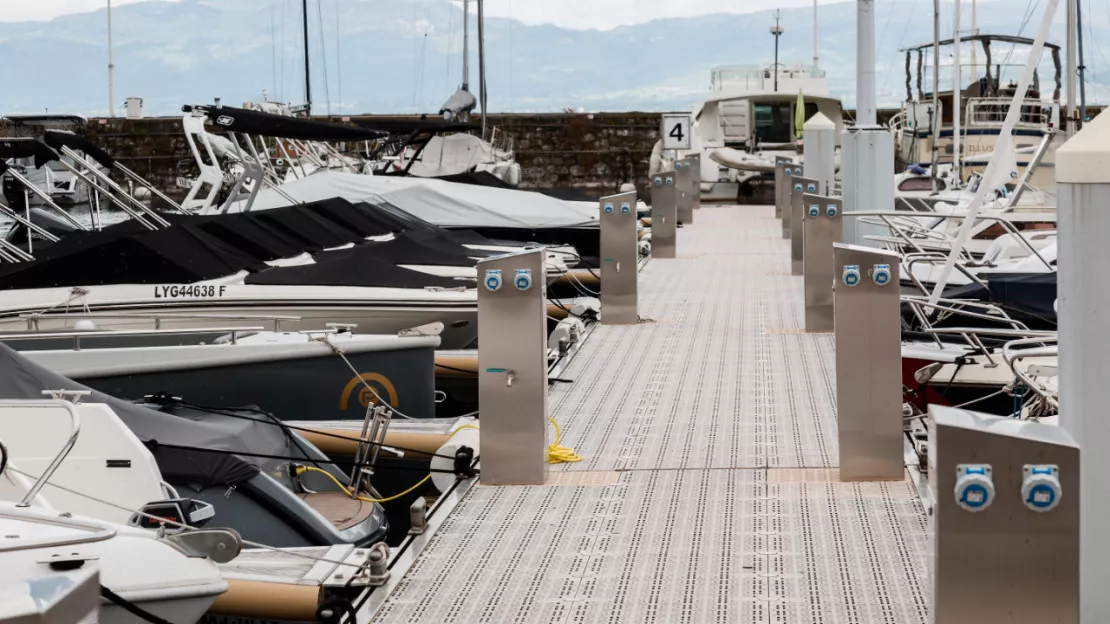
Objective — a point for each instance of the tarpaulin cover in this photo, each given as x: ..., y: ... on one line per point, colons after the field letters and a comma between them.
x: 25, y: 148
x: 281, y: 126
x: 348, y: 267
x: 409, y: 248
x: 441, y: 203
x: 1032, y: 296
x: 304, y: 224
x: 181, y: 254
x: 58, y: 139
x: 22, y: 379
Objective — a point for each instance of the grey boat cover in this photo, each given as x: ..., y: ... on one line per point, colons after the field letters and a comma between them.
x: 22, y: 379
x: 446, y: 204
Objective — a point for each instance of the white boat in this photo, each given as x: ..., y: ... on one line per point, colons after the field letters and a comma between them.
x: 984, y: 100
x: 749, y: 119
x: 46, y: 549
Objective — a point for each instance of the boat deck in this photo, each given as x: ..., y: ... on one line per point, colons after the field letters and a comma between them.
x: 709, y: 488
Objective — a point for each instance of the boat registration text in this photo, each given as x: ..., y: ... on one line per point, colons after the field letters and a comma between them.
x: 189, y: 291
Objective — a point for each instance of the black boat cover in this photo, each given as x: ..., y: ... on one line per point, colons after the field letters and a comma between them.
x: 424, y: 248
x: 58, y: 139
x: 409, y: 126
x: 302, y: 223
x: 342, y: 268
x: 181, y: 254
x: 22, y: 379
x: 1031, y: 296
x: 271, y: 125
x: 25, y: 148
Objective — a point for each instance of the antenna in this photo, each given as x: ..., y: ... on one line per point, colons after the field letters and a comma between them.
x: 814, y: 37
x: 776, y: 31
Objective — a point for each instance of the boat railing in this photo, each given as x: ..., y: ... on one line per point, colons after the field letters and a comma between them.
x: 60, y: 401
x: 78, y: 334
x: 96, y: 533
x: 1016, y: 351
x: 974, y: 310
x: 33, y: 319
x: 888, y: 219
x: 991, y: 113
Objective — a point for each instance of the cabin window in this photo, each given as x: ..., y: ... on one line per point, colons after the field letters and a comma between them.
x: 772, y: 122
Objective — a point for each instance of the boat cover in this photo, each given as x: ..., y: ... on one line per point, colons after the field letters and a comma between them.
x: 283, y: 126
x: 441, y: 203
x: 357, y: 266
x: 181, y: 254
x: 22, y: 379
x: 451, y: 154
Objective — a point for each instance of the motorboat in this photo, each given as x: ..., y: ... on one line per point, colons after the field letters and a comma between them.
x: 47, y: 555
x: 332, y: 374
x: 747, y: 121
x: 235, y: 467
x: 983, y: 102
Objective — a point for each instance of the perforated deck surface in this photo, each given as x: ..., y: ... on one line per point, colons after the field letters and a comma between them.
x: 709, y: 491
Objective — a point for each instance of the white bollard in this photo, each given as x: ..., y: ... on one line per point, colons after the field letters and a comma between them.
x: 1083, y: 189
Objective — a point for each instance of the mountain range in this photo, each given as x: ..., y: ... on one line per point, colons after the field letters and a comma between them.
x: 387, y: 56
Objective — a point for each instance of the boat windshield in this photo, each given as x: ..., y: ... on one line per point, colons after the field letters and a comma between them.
x: 773, y: 121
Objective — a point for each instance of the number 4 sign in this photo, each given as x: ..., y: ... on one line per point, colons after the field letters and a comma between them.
x: 676, y: 131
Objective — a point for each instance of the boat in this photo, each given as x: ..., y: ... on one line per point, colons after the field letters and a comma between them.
x: 984, y: 101
x: 237, y: 467
x: 326, y: 375
x: 749, y: 119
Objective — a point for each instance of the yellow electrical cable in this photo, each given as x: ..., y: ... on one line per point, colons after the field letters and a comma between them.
x: 303, y: 469
x: 557, y: 454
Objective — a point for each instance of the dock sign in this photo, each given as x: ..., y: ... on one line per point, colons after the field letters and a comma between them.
x: 676, y: 131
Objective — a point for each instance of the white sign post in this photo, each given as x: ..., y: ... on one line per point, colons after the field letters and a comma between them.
x: 676, y: 131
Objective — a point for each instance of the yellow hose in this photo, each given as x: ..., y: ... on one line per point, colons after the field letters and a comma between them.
x: 303, y: 469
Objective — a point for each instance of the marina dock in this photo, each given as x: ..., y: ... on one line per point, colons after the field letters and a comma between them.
x: 708, y: 490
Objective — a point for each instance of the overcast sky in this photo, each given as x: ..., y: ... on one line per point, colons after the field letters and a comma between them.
x: 569, y: 13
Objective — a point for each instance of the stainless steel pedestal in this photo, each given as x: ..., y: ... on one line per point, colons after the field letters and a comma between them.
x: 1006, y: 519
x: 799, y: 185
x: 821, y: 227
x: 512, y: 368
x: 664, y: 217
x: 868, y: 363
x: 619, y: 260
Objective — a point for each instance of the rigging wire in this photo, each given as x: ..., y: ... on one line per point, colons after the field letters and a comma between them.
x: 901, y: 42
x: 450, y: 46
x: 273, y: 49
x: 323, y: 54
x: 338, y: 57
x: 281, y: 83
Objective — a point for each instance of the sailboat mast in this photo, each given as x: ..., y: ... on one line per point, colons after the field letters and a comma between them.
x: 1081, y: 68
x: 307, y: 66
x: 935, y: 130
x: 1073, y: 18
x: 482, y: 63
x: 111, y: 68
x: 957, y: 91
x: 466, y: 45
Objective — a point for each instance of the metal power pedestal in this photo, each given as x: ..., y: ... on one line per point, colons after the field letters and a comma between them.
x: 619, y: 257
x: 799, y: 185
x: 512, y: 368
x: 664, y: 217
x: 868, y: 363
x: 695, y: 165
x: 684, y: 190
x: 785, y: 170
x: 821, y: 227
x: 1006, y: 519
